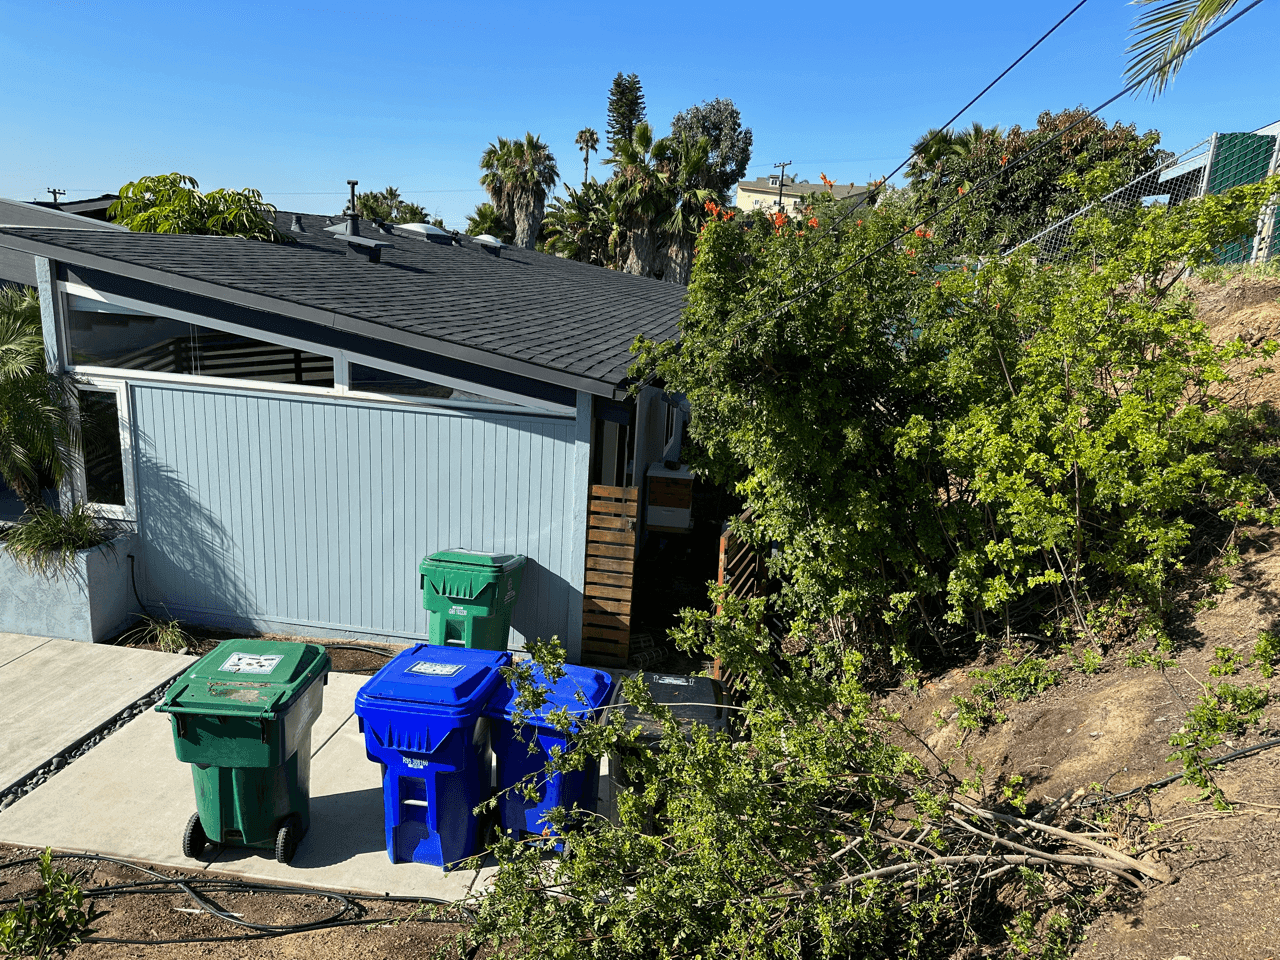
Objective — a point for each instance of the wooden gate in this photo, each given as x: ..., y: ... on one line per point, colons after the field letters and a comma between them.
x: 611, y: 562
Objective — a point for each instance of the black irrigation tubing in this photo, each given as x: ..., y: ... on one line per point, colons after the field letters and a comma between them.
x: 357, y: 646
x: 260, y: 931
x: 862, y: 201
x: 1014, y: 162
x: 1165, y: 781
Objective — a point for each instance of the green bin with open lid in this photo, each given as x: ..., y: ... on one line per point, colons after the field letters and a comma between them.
x: 470, y: 596
x: 242, y: 717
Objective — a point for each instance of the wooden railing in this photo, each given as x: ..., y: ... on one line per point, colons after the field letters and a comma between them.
x: 610, y: 579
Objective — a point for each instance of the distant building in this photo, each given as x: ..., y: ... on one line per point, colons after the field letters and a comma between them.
x: 762, y: 193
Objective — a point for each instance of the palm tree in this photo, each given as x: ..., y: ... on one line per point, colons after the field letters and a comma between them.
x: 966, y: 141
x: 687, y: 164
x: 518, y: 174
x: 588, y: 140
x: 1163, y: 34
x: 486, y: 219
x: 930, y: 152
x: 642, y: 187
x: 38, y: 424
x: 583, y: 225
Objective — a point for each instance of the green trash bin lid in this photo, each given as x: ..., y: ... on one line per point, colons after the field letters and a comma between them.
x: 247, y: 678
x: 472, y: 558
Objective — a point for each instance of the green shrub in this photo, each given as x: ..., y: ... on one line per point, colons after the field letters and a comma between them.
x: 168, y: 635
x: 1014, y: 682
x: 53, y: 923
x: 47, y: 542
x: 1224, y: 710
x: 1266, y: 653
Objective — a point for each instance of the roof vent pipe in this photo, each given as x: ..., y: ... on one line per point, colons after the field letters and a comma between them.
x: 353, y: 213
x: 295, y: 225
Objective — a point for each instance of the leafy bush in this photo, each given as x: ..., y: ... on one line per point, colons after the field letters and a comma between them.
x: 47, y: 542
x: 1013, y: 682
x: 1266, y: 653
x: 939, y: 452
x: 53, y: 923
x: 1224, y: 710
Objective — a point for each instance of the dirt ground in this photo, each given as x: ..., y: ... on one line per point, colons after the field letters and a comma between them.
x: 383, y: 930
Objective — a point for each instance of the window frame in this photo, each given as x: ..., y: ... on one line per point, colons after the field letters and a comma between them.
x: 124, y: 417
x: 500, y: 400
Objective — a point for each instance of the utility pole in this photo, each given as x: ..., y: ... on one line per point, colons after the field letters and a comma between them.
x: 782, y: 179
x: 56, y: 193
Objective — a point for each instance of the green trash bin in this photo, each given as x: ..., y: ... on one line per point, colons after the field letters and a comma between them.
x: 242, y: 717
x: 470, y: 596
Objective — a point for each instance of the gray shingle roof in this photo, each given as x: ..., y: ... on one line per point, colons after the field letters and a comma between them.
x: 556, y: 315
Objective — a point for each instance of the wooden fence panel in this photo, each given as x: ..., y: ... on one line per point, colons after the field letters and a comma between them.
x: 611, y: 560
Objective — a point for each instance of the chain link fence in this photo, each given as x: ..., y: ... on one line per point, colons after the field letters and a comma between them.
x: 1213, y: 165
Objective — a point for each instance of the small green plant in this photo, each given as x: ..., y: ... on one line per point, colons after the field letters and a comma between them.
x: 1266, y: 652
x: 1149, y: 658
x: 1089, y: 661
x: 166, y: 635
x: 1224, y: 710
x: 1228, y: 662
x: 1012, y: 682
x: 46, y: 543
x: 53, y: 923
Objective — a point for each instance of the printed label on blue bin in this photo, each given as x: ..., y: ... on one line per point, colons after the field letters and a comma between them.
x: 674, y: 681
x: 250, y: 663
x: 414, y: 764
x: 425, y: 669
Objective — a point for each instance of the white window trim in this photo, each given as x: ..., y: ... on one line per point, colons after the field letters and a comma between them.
x: 125, y: 416
x: 504, y: 401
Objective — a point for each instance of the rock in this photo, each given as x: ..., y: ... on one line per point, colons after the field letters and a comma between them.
x: 7, y: 803
x: 58, y: 763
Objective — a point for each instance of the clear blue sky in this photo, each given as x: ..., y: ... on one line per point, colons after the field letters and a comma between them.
x: 295, y: 98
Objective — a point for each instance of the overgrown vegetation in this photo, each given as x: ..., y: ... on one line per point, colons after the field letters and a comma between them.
x: 173, y: 203
x: 1225, y: 710
x: 53, y: 922
x: 46, y: 542
x: 168, y: 636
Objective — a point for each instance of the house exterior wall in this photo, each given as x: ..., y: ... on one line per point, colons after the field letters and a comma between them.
x: 311, y: 514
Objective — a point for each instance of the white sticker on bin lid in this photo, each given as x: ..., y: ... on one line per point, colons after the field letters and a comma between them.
x: 426, y: 669
x: 673, y: 681
x: 250, y: 663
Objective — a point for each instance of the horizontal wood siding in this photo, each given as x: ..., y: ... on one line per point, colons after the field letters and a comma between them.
x: 317, y: 512
x: 611, y: 549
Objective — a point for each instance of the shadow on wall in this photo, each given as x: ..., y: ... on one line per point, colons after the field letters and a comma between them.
x: 188, y: 566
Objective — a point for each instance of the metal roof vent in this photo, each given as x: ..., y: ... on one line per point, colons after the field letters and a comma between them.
x: 362, y: 248
x: 489, y: 244
x: 295, y: 225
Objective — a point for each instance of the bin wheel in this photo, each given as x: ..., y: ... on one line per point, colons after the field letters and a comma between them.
x: 287, y: 838
x: 194, y: 839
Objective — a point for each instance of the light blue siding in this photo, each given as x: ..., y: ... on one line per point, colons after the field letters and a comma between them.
x: 260, y: 508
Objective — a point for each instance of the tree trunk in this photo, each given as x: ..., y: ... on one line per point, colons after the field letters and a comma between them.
x: 644, y: 259
x: 529, y: 211
x: 679, y: 261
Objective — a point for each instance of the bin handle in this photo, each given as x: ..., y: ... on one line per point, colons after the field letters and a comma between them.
x: 262, y: 724
x: 415, y: 803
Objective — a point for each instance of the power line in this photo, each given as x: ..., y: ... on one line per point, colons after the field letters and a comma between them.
x: 1012, y: 163
x: 940, y: 130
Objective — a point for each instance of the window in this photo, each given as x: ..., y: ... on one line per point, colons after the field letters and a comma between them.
x: 104, y: 478
x: 105, y: 335
x: 373, y: 380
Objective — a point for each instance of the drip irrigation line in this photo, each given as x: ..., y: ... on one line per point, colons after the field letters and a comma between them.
x: 1014, y: 162
x: 363, y: 649
x: 862, y: 201
x: 1165, y: 781
x: 194, y: 887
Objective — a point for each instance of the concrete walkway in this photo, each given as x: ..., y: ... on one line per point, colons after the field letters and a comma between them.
x: 130, y: 797
x: 54, y: 694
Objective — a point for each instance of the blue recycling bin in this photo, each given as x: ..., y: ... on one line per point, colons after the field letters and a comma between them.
x: 421, y: 716
x: 522, y: 745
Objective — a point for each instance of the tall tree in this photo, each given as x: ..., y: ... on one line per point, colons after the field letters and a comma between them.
x: 173, y: 203
x: 626, y: 109
x: 587, y: 140
x: 1163, y: 34
x: 38, y: 423
x: 641, y: 185
x: 517, y: 175
x: 720, y: 122
x: 929, y: 152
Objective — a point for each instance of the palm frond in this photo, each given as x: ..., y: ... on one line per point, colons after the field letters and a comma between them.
x: 1163, y: 35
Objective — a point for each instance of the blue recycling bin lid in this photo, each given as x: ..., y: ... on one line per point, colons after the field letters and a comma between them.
x: 567, y: 693
x: 435, y: 679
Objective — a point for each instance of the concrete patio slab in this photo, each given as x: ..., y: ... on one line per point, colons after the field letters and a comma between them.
x: 15, y: 645
x: 56, y: 693
x: 131, y: 798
